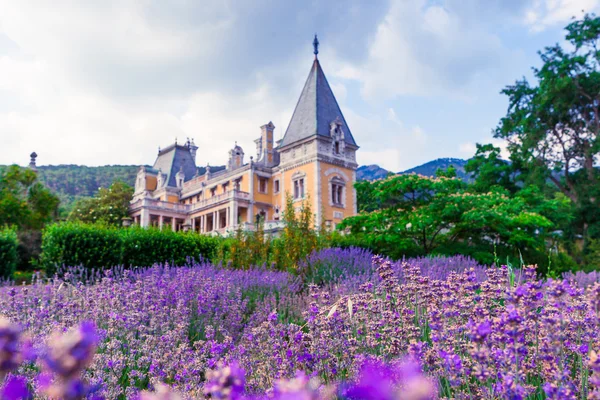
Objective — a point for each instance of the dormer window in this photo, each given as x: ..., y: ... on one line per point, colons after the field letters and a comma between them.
x: 337, y: 134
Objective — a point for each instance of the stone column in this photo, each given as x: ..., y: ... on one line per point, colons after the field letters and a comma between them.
x: 144, y: 218
x: 251, y: 203
x: 173, y: 224
x: 234, y: 214
x: 227, y: 217
x: 216, y: 220
x: 160, y: 222
x: 194, y: 224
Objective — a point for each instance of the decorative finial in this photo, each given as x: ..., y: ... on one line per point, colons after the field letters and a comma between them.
x: 33, y: 156
x: 316, y: 46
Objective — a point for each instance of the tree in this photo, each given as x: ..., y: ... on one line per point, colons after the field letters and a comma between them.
x: 109, y: 206
x: 552, y: 127
x: 489, y: 170
x: 24, y: 202
x: 442, y: 211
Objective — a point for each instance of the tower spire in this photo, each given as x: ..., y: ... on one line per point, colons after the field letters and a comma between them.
x: 316, y: 46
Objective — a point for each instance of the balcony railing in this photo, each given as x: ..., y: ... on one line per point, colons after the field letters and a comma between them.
x: 223, y: 197
x: 186, y: 208
x: 160, y: 205
x: 268, y: 227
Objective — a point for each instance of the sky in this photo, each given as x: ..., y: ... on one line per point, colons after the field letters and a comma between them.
x: 109, y: 82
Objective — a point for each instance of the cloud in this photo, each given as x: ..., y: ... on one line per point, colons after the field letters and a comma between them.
x: 108, y: 82
x: 427, y: 49
x: 467, y: 148
x: 546, y: 13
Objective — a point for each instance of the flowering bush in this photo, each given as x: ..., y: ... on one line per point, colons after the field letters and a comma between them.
x: 400, y: 330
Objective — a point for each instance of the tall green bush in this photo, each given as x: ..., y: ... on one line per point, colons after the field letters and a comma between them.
x: 8, y: 252
x: 97, y: 246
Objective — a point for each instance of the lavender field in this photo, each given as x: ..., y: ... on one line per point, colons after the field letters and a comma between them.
x: 348, y: 325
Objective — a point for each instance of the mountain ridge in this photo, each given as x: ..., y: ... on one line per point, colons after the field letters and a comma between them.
x: 374, y: 171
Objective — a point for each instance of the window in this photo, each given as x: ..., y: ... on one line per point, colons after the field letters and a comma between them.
x: 262, y: 185
x: 337, y: 147
x: 225, y: 186
x: 276, y: 186
x: 337, y: 192
x: 299, y: 188
x: 213, y: 191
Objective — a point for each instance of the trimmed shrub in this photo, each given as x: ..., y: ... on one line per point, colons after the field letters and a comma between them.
x: 144, y: 247
x: 8, y: 252
x: 100, y: 247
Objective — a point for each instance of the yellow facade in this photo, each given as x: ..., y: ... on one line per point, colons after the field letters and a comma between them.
x: 328, y: 172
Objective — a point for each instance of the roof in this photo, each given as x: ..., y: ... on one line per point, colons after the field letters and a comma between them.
x: 174, y: 158
x: 317, y: 108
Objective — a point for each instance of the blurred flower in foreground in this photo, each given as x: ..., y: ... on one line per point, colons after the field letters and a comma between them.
x: 301, y: 387
x: 227, y: 382
x: 15, y: 389
x: 10, y: 354
x: 68, y: 356
x: 378, y: 381
x: 162, y: 392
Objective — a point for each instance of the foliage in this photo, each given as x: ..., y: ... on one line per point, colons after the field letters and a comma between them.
x: 248, y: 248
x: 8, y: 252
x: 297, y: 240
x: 489, y: 170
x: 413, y: 210
x: 29, y: 249
x: 300, y: 235
x: 109, y: 206
x: 24, y: 201
x: 97, y: 246
x: 553, y: 127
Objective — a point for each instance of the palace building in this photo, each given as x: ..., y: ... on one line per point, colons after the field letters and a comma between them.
x: 315, y: 160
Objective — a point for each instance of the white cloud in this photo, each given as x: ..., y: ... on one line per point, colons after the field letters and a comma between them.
x: 390, y: 159
x: 427, y: 49
x: 467, y: 148
x: 546, y: 13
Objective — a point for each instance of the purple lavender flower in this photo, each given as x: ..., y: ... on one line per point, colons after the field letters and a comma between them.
x: 68, y: 356
x: 227, y: 382
x: 15, y: 389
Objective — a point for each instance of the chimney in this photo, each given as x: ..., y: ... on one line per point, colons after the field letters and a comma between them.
x: 267, y: 143
x: 193, y: 148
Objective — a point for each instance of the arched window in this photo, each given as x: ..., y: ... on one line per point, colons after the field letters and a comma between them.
x: 337, y: 191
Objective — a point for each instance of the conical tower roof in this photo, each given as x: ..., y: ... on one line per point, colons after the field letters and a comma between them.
x: 317, y: 108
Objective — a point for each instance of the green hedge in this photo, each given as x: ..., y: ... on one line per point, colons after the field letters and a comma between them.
x: 95, y: 246
x: 8, y: 252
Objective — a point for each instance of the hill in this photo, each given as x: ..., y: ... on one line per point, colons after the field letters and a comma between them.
x: 430, y: 168
x: 374, y: 171
x: 371, y: 172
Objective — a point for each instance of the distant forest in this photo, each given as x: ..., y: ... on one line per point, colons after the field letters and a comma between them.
x: 71, y: 182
